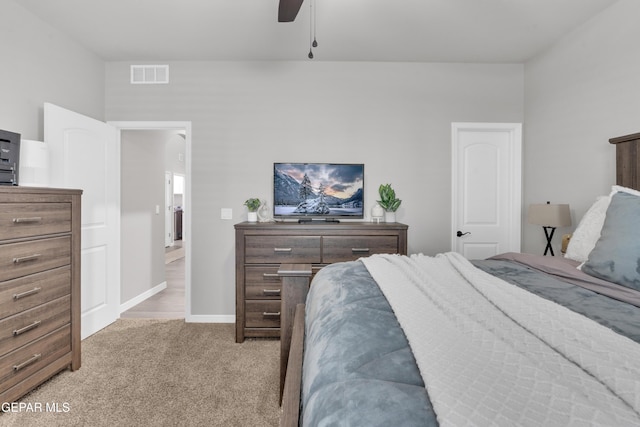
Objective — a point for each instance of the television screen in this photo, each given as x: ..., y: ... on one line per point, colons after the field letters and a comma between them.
x: 318, y: 190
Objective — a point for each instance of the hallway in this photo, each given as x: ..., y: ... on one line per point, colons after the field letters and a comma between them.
x: 169, y: 303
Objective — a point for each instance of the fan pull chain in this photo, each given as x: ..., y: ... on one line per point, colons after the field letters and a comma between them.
x: 312, y: 28
x: 315, y: 25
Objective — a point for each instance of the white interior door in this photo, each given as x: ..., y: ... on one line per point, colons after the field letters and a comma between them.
x: 487, y: 188
x: 84, y: 154
x: 168, y: 209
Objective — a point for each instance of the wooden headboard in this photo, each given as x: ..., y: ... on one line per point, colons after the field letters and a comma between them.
x: 627, y: 167
x: 627, y: 160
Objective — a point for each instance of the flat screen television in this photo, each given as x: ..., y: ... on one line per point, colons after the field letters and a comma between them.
x: 318, y: 190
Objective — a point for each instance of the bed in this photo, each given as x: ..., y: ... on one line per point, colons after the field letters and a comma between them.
x: 516, y: 339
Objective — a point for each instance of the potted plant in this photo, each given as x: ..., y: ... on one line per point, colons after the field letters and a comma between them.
x: 388, y: 202
x: 252, y: 205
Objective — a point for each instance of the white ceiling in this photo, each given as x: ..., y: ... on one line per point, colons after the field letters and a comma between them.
x: 494, y: 31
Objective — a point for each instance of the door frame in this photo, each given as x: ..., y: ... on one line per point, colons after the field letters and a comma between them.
x: 171, y: 125
x: 184, y: 197
x: 515, y: 160
x: 169, y: 226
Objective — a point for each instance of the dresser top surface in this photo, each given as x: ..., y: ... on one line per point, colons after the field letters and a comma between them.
x: 12, y: 189
x: 319, y: 225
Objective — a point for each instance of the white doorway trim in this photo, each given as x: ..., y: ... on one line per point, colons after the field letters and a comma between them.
x: 171, y: 125
x: 169, y: 226
x: 175, y: 177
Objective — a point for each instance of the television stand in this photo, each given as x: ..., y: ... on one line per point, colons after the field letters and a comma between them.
x: 307, y: 220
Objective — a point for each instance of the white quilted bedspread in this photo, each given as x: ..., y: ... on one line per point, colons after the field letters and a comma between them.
x: 491, y: 353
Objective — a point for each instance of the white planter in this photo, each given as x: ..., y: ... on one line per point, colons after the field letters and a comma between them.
x: 252, y: 216
x: 389, y: 216
x: 377, y: 213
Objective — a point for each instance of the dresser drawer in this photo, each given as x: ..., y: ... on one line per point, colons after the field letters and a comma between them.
x: 348, y: 248
x: 23, y: 362
x: 34, y: 219
x: 282, y: 249
x: 21, y: 259
x: 262, y: 282
x: 27, y: 292
x: 30, y: 325
x: 262, y: 314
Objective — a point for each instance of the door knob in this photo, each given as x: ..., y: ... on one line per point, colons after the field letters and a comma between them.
x: 460, y: 233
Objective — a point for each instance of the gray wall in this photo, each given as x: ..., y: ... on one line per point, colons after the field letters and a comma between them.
x: 41, y: 65
x: 175, y: 148
x: 580, y: 93
x: 395, y: 118
x: 142, y: 230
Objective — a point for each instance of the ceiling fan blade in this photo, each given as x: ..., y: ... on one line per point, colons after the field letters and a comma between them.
x: 288, y: 9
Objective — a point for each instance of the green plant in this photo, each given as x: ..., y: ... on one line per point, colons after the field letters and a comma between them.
x: 388, y: 199
x: 252, y: 204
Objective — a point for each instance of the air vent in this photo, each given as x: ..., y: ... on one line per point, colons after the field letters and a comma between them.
x: 149, y: 74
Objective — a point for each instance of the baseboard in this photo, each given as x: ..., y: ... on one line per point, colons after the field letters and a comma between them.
x: 210, y: 318
x: 143, y: 296
x: 189, y: 318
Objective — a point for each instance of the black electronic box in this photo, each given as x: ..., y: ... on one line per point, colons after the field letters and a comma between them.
x: 9, y: 157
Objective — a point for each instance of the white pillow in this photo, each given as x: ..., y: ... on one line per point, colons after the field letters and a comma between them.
x: 587, y: 233
x: 616, y: 188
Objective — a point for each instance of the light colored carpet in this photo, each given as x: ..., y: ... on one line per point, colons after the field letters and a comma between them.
x: 162, y: 373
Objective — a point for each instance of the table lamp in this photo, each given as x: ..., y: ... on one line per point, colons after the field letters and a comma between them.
x: 549, y: 216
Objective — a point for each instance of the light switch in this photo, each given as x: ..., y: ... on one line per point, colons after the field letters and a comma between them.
x: 226, y: 213
x: 157, y: 209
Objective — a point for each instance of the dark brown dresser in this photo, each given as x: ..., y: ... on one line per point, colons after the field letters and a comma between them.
x: 262, y: 247
x: 39, y: 286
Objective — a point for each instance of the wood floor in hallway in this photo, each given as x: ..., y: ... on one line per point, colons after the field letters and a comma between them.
x: 166, y: 304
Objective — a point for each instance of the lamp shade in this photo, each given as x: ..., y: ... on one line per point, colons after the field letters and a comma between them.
x: 549, y: 215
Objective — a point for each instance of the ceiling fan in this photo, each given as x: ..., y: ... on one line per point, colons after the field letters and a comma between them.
x: 288, y: 9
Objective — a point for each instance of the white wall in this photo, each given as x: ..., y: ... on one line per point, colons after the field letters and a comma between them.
x: 174, y: 153
x: 394, y: 117
x: 142, y: 230
x: 579, y: 94
x: 40, y: 65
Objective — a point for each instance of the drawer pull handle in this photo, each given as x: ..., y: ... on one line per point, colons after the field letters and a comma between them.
x: 282, y: 249
x: 26, y: 294
x: 271, y: 291
x: 27, y: 362
x: 27, y: 258
x: 270, y: 275
x: 267, y: 314
x: 27, y: 220
x: 26, y: 328
x: 360, y: 250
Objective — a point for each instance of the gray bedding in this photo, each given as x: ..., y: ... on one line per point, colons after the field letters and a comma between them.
x: 575, y: 292
x: 358, y: 367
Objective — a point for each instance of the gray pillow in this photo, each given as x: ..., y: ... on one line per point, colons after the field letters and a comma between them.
x: 616, y: 256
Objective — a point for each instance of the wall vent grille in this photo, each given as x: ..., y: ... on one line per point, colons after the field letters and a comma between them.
x: 149, y: 74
